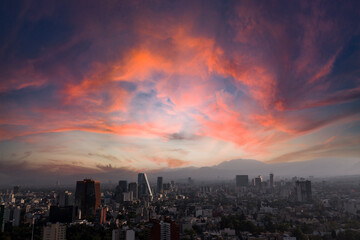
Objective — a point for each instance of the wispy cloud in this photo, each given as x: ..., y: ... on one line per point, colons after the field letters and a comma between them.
x: 245, y: 76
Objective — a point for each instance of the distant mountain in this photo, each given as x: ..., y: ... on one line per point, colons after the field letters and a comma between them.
x: 240, y: 164
x: 229, y: 169
x: 224, y: 171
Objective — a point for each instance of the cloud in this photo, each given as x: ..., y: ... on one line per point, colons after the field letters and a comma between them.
x: 231, y: 72
x: 170, y: 162
x: 181, y: 136
x: 335, y: 147
x: 107, y: 157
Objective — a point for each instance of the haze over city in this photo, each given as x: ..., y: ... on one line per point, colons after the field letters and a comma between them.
x: 91, y: 88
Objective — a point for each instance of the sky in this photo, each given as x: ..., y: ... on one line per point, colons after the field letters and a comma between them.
x: 90, y: 86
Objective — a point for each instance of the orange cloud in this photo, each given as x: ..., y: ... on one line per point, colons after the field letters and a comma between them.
x: 170, y: 162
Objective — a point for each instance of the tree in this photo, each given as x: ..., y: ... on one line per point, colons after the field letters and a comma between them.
x: 299, y: 234
x: 191, y: 232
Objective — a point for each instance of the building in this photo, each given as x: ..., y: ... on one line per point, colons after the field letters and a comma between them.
x: 159, y: 185
x: 123, y: 234
x: 17, y: 216
x: 271, y: 180
x: 115, y: 235
x: 127, y: 197
x: 130, y: 234
x: 121, y: 188
x: 100, y: 217
x: 303, y: 191
x: 133, y: 187
x: 153, y: 230
x: 242, y: 180
x: 258, y: 181
x: 144, y: 186
x: 169, y: 230
x: 65, y: 198
x: 56, y: 231
x: 62, y: 214
x: 165, y: 231
x: 87, y: 197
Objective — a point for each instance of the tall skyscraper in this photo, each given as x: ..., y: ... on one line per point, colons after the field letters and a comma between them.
x: 242, y: 180
x: 144, y: 186
x: 303, y: 191
x: 271, y: 180
x: 87, y: 196
x: 17, y: 216
x: 123, y: 187
x: 133, y: 187
x: 159, y: 185
x: 64, y: 198
x: 258, y: 181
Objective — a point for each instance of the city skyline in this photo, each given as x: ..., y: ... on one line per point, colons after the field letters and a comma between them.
x: 91, y: 88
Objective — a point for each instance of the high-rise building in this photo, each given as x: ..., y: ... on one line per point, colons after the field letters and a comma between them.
x: 271, y: 180
x: 133, y: 187
x: 144, y: 186
x: 127, y: 197
x: 169, y: 230
x: 121, y: 188
x: 100, y: 217
x: 17, y: 216
x: 65, y: 198
x: 242, y: 180
x: 87, y: 196
x: 153, y: 230
x: 165, y: 230
x: 303, y: 191
x: 55, y: 231
x: 258, y: 181
x: 159, y: 185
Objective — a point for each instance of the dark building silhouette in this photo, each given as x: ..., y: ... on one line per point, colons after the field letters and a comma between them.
x: 153, y: 230
x: 62, y: 214
x: 258, y: 181
x: 64, y: 198
x: 144, y: 186
x: 133, y: 187
x: 121, y: 188
x: 271, y: 180
x: 303, y: 191
x: 242, y: 180
x: 159, y: 185
x: 87, y: 197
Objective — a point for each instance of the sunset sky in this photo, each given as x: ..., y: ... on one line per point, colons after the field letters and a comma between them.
x: 139, y: 85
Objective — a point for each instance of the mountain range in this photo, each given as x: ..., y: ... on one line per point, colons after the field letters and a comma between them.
x: 224, y: 171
